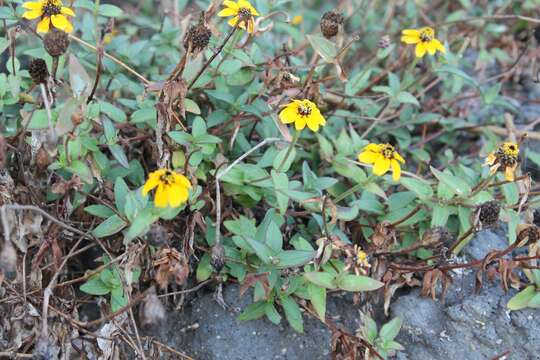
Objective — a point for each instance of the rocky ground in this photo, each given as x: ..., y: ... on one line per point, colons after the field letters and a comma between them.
x: 465, y: 326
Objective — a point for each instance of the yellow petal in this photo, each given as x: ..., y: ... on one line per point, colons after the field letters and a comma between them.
x: 420, y: 50
x: 396, y: 170
x: 382, y: 165
x: 509, y: 173
x: 178, y: 195
x: 227, y: 12
x: 288, y: 114
x: 67, y: 11
x: 231, y: 4
x: 233, y: 21
x: 312, y: 123
x: 162, y: 196
x: 410, y: 39
x: 251, y: 26
x: 491, y: 158
x: 69, y: 27
x: 438, y: 45
x: 300, y: 123
x: 43, y: 25
x: 368, y: 157
x: 31, y: 15
x: 59, y: 21
x: 182, y: 180
x: 411, y: 32
x: 33, y: 5
x: 373, y: 147
x: 399, y: 158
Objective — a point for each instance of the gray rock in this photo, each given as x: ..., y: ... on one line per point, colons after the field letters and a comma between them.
x: 221, y: 336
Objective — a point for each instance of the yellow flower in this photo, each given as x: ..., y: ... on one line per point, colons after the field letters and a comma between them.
x: 172, y: 188
x: 51, y: 12
x: 362, y: 258
x: 506, y: 157
x: 302, y: 113
x: 382, y: 156
x: 242, y: 12
x: 424, y: 39
x: 297, y: 20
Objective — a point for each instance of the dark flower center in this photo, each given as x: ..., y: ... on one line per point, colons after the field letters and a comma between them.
x: 52, y: 7
x: 167, y: 178
x: 304, y: 110
x: 388, y: 151
x: 244, y: 13
x: 426, y: 35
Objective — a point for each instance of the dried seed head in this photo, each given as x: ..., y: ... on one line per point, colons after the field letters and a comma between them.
x: 56, y: 42
x: 38, y: 71
x: 157, y: 235
x: 436, y: 237
x: 536, y: 217
x: 488, y: 213
x: 330, y: 23
x: 384, y: 42
x: 530, y: 233
x: 218, y: 257
x: 199, y: 37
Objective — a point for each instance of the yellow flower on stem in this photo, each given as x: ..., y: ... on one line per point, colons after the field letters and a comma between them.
x: 302, y: 113
x: 242, y: 12
x: 172, y: 188
x: 51, y: 12
x: 424, y: 39
x: 505, y: 158
x: 383, y: 157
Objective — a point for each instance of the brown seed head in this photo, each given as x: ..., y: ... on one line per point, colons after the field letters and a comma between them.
x: 488, y: 213
x: 38, y: 71
x: 330, y: 23
x: 218, y: 257
x: 56, y: 42
x: 199, y: 37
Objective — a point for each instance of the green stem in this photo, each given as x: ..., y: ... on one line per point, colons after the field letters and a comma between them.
x: 292, y: 144
x: 354, y: 189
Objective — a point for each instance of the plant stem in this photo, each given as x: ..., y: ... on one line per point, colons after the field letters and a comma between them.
x: 292, y: 144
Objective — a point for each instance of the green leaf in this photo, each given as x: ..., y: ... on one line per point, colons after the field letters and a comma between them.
x: 350, y: 282
x: 101, y: 211
x: 110, y: 10
x: 118, y: 299
x: 317, y: 296
x: 440, y: 215
x: 109, y: 227
x: 535, y: 301
x: 325, y: 48
x: 253, y: 311
x: 390, y: 330
x: 272, y: 314
x: 140, y: 225
x: 521, y: 300
x: 262, y: 250
x: 322, y: 279
x: 292, y: 313
x: 407, y: 98
x: 118, y: 152
x: 294, y: 258
x: 420, y: 188
x: 113, y: 112
x: 278, y: 160
x: 204, y: 269
x: 94, y: 286
x: 273, y: 237
x: 120, y: 193
x: 458, y: 185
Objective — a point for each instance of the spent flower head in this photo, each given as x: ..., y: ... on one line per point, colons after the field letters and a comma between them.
x: 505, y: 158
x: 424, y: 39
x: 383, y: 157
x: 51, y: 12
x: 172, y: 188
x: 302, y: 113
x: 242, y: 13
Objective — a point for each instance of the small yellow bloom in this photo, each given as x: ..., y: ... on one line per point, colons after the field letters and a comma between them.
x: 242, y: 12
x: 383, y: 157
x: 302, y: 113
x: 424, y: 39
x: 362, y: 258
x: 172, y: 188
x: 51, y: 12
x: 506, y: 157
x: 297, y: 20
